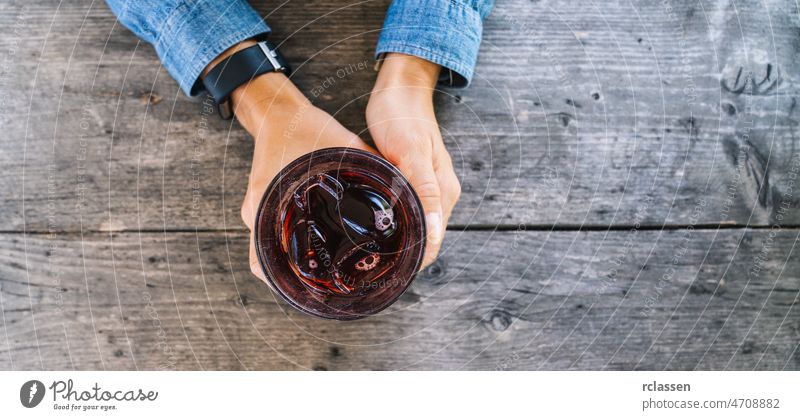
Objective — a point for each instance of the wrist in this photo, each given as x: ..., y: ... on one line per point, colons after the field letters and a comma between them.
x: 266, y: 90
x: 407, y: 71
x: 250, y: 100
x: 266, y: 102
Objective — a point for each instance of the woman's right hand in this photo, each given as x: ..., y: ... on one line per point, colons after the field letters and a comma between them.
x: 284, y: 125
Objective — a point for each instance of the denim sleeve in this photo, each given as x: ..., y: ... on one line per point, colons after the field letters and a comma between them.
x: 189, y: 34
x: 446, y: 32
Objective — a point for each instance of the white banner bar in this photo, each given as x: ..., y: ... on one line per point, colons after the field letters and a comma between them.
x: 399, y: 395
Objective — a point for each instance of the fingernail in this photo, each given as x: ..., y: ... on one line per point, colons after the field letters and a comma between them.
x: 433, y: 222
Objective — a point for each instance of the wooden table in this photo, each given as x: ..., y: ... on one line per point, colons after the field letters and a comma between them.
x: 631, y: 197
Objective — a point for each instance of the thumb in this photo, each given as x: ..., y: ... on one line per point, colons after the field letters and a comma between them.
x: 423, y: 179
x: 255, y: 266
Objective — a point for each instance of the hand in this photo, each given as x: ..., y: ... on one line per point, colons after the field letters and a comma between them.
x: 401, y: 120
x: 285, y: 125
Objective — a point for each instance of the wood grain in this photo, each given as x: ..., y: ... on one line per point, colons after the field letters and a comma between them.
x: 681, y: 299
x: 633, y: 130
x: 576, y: 116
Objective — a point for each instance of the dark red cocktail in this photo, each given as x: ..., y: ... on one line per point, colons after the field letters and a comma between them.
x: 340, y: 233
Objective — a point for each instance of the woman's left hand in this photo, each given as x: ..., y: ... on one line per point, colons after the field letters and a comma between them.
x: 403, y: 125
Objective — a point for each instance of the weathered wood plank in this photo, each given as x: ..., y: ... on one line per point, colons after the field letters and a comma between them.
x: 680, y: 299
x: 578, y: 115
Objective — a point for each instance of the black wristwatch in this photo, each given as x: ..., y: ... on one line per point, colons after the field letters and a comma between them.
x: 238, y: 69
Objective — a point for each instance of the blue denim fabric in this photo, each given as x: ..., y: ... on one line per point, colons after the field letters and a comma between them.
x: 189, y: 34
x: 446, y: 32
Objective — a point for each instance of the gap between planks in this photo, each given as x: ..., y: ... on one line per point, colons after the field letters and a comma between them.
x: 459, y: 228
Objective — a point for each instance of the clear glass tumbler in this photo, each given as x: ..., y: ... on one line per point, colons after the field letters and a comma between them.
x: 340, y: 233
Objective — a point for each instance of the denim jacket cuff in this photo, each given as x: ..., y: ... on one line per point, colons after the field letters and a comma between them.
x: 446, y: 32
x: 191, y: 37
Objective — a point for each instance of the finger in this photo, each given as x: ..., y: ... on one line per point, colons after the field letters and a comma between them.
x: 357, y: 143
x: 423, y: 179
x: 248, y: 215
x: 448, y: 181
x: 334, y: 134
x: 451, y: 191
x: 255, y: 266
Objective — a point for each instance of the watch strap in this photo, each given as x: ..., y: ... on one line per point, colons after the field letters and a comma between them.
x: 240, y: 68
